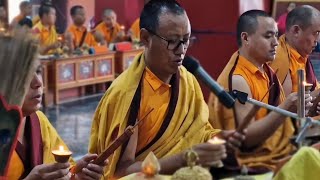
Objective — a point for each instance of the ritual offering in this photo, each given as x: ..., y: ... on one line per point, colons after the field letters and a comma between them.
x: 192, y: 171
x: 61, y: 155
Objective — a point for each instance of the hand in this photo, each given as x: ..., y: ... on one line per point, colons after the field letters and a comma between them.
x: 308, y: 102
x: 89, y: 170
x: 290, y: 103
x: 234, y: 139
x: 55, y: 45
x: 318, y: 108
x: 49, y: 171
x: 210, y: 153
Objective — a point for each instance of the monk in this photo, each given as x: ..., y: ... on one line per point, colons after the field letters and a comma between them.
x: 36, y: 19
x: 134, y: 31
x: 269, y: 133
x: 25, y: 10
x: 45, y: 30
x: 282, y: 19
x: 109, y: 27
x: 80, y: 35
x: 298, y: 42
x: 156, y: 80
x: 32, y: 158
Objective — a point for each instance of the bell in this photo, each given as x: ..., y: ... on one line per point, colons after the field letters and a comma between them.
x: 192, y: 171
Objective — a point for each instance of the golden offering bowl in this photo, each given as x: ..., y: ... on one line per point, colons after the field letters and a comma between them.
x: 61, y: 155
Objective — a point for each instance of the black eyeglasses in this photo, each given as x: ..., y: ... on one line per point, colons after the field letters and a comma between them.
x: 173, y: 44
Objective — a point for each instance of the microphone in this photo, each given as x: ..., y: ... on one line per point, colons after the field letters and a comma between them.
x: 194, y: 67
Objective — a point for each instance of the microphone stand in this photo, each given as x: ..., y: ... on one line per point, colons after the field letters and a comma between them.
x: 308, y: 121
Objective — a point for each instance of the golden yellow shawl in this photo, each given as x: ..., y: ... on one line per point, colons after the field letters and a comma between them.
x: 50, y: 140
x: 188, y: 126
x: 305, y: 164
x: 274, y: 148
x: 45, y: 36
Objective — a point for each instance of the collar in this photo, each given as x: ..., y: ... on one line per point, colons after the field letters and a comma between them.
x: 154, y: 81
x: 294, y: 53
x: 76, y: 28
x: 250, y: 66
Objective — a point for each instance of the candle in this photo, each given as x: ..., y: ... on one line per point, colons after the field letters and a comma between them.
x: 217, y: 141
x: 60, y: 38
x: 61, y: 155
x: 307, y: 86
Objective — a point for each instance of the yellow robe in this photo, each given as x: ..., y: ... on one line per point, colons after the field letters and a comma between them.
x: 285, y: 61
x: 305, y: 164
x: 110, y: 35
x: 274, y: 148
x: 188, y: 126
x: 50, y: 141
x: 46, y: 36
x: 135, y: 29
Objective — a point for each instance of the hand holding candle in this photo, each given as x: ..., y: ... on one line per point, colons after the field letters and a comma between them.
x: 61, y: 155
x: 217, y: 141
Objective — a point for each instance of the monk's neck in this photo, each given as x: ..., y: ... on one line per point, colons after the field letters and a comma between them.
x: 163, y: 77
x: 45, y: 24
x: 79, y: 25
x: 292, y: 44
x: 253, y: 60
x: 23, y: 15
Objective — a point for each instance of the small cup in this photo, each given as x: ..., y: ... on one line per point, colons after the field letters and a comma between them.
x: 61, y: 155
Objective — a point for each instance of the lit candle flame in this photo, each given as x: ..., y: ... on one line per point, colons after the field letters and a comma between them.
x: 216, y: 140
x: 61, y: 148
x: 122, y: 27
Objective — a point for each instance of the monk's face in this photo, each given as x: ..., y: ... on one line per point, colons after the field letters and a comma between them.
x: 306, y: 40
x: 32, y: 101
x: 28, y: 10
x: 263, y: 43
x: 3, y: 13
x: 51, y: 17
x: 80, y: 17
x: 165, y: 50
x: 110, y: 19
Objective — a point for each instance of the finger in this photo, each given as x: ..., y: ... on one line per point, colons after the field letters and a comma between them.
x: 47, y: 168
x: 309, y: 104
x: 95, y: 168
x: 89, y: 157
x: 91, y: 174
x: 56, y: 174
x: 239, y: 136
x: 211, y: 147
x: 212, y: 157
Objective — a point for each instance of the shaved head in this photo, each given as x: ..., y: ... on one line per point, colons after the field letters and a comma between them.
x: 108, y: 12
x: 302, y: 16
x: 109, y: 17
x: 248, y: 22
